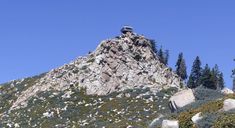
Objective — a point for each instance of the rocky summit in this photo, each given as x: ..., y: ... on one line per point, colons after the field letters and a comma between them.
x: 122, y: 84
x: 125, y: 62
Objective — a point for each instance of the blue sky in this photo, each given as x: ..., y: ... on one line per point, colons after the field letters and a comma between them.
x: 39, y: 35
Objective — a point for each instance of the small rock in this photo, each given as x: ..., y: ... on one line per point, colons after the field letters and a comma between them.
x: 9, y: 125
x: 48, y: 114
x: 98, y: 59
x: 67, y: 95
x: 196, y: 118
x: 129, y: 126
x: 170, y: 124
x: 128, y: 95
x: 156, y: 122
x: 17, y: 125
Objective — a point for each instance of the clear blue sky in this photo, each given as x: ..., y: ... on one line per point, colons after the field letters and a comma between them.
x: 39, y: 35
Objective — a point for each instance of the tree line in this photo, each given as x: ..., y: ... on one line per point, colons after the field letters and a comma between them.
x: 207, y: 77
x: 163, y: 55
x: 200, y: 76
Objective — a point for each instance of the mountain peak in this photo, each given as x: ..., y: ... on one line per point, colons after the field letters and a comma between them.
x: 124, y: 62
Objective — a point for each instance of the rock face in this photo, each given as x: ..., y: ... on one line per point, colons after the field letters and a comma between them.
x: 124, y: 62
x: 182, y: 99
x: 229, y: 104
x: 170, y: 124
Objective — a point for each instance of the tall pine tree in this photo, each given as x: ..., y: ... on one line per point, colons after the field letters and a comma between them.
x: 161, y: 55
x: 217, y: 77
x: 166, y: 57
x: 207, y: 78
x: 233, y: 76
x: 181, y: 69
x: 154, y: 46
x: 221, y: 81
x: 234, y: 84
x: 215, y: 74
x: 196, y: 72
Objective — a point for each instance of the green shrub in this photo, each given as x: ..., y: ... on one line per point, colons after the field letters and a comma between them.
x: 225, y: 121
x: 202, y: 93
x: 208, y: 120
x: 210, y: 107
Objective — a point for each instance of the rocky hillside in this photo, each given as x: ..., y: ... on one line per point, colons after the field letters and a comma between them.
x: 122, y: 84
x: 125, y: 62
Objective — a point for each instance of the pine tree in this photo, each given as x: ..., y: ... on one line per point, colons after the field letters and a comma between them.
x: 208, y: 79
x: 212, y: 79
x: 191, y: 82
x: 221, y: 81
x: 233, y: 76
x: 234, y: 84
x: 154, y: 46
x: 181, y: 69
x: 166, y: 57
x: 196, y: 72
x: 217, y: 77
x: 161, y: 56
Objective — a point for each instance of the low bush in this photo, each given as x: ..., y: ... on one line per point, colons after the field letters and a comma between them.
x: 202, y: 93
x: 225, y: 121
x: 208, y: 120
x: 210, y: 107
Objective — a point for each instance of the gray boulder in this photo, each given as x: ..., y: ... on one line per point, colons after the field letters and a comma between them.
x: 181, y: 99
x: 229, y: 104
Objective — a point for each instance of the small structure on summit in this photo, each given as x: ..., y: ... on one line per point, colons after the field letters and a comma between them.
x: 126, y: 29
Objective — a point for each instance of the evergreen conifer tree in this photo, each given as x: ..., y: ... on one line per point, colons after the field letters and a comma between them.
x: 208, y: 79
x: 154, y: 46
x: 196, y: 72
x: 217, y: 77
x: 181, y: 69
x: 161, y: 55
x: 166, y: 57
x: 234, y: 84
x: 221, y: 81
x: 233, y: 76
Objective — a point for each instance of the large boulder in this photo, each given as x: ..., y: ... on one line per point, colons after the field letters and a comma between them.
x: 229, y: 104
x: 181, y: 99
x: 227, y: 91
x: 170, y: 124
